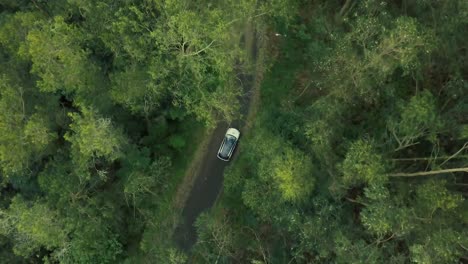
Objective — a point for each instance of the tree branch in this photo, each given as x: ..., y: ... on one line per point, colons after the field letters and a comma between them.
x: 424, y: 159
x: 195, y: 53
x: 456, y: 153
x: 261, y: 14
x: 249, y: 18
x: 461, y: 245
x: 405, y: 146
x: 426, y: 173
x: 344, y: 8
x: 385, y: 240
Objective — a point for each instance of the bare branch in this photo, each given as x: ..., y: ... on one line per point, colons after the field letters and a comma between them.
x: 385, y: 240
x: 461, y: 245
x: 261, y: 14
x: 426, y: 173
x: 425, y: 158
x: 395, y: 136
x: 345, y: 8
x: 456, y: 153
x: 405, y: 146
x: 249, y: 18
x: 195, y: 53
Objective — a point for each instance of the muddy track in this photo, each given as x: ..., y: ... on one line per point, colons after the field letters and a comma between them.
x: 208, y: 177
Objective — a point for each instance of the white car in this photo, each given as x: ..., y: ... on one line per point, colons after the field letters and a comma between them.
x: 229, y: 144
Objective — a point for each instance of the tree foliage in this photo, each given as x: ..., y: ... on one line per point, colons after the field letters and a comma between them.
x: 92, y: 138
x: 366, y: 97
x: 357, y: 154
x: 32, y: 227
x: 97, y: 100
x: 25, y: 137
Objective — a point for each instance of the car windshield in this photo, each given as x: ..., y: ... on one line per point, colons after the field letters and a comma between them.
x: 228, y: 144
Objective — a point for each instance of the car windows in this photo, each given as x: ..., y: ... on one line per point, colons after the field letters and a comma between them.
x: 229, y: 142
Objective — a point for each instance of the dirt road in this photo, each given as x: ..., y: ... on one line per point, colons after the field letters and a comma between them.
x: 209, y: 176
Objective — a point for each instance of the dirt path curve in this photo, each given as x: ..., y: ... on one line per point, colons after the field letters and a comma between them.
x: 205, y: 177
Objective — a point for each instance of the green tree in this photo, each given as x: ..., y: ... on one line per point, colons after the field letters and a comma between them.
x: 58, y: 59
x: 418, y: 118
x: 171, y: 52
x: 363, y: 165
x: 433, y: 195
x: 32, y: 225
x: 377, y: 45
x: 216, y: 238
x: 286, y: 166
x: 93, y: 138
x: 386, y: 218
x: 91, y: 242
x: 24, y: 138
x: 134, y: 88
x: 60, y: 183
x: 442, y: 246
x: 355, y: 250
x: 14, y: 29
x: 292, y: 172
x: 324, y: 127
x: 144, y: 179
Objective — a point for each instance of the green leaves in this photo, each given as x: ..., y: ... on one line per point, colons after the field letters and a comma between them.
x: 93, y: 137
x: 401, y: 47
x: 355, y: 250
x: 14, y: 29
x: 324, y: 127
x: 292, y: 172
x: 37, y: 133
x: 58, y: 58
x: 32, y: 226
x: 216, y: 237
x: 145, y: 180
x: 419, y: 117
x: 23, y: 138
x: 172, y: 53
x: 137, y: 90
x: 384, y: 217
x: 363, y: 165
x: 441, y: 246
x: 287, y: 167
x: 365, y: 58
x: 433, y: 195
x: 92, y: 242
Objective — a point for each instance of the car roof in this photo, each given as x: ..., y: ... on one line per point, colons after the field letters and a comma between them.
x: 228, y: 144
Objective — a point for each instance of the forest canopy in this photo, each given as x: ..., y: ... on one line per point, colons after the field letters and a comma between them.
x: 358, y: 152
x: 98, y: 103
